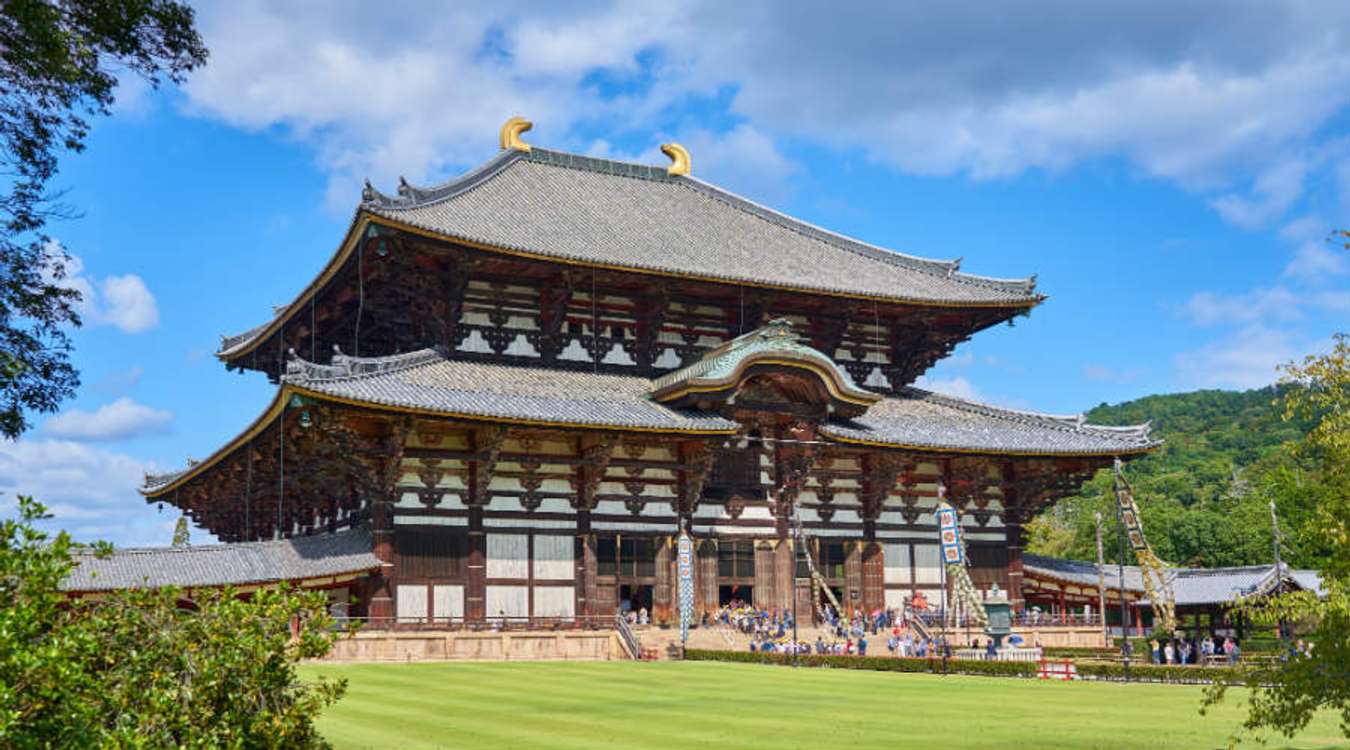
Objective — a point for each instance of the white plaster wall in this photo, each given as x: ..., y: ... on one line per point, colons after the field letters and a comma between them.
x: 553, y: 557
x: 508, y: 556
x: 511, y: 601
x: 927, y: 563
x: 410, y: 602
x: 447, y: 600
x: 554, y: 601
x: 897, y: 563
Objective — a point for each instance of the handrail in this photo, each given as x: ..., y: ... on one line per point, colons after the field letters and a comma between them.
x: 629, y: 640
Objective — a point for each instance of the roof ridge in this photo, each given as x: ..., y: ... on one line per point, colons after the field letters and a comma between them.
x: 216, y: 545
x: 410, y: 196
x: 1075, y: 423
x: 348, y: 367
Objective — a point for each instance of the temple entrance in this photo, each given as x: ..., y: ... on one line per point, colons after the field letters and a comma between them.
x: 633, y: 598
x: 738, y: 594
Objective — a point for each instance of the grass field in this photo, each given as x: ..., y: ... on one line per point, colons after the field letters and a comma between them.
x: 691, y: 705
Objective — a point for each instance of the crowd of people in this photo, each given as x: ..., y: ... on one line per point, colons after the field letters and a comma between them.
x: 1182, y: 650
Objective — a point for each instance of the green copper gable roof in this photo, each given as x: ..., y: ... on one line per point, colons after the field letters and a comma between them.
x: 773, y: 342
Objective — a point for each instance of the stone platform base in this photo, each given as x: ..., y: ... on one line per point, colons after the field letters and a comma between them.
x: 431, y: 645
x: 1061, y: 636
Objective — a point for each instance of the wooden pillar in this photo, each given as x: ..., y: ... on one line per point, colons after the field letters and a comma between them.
x: 1012, y: 526
x: 475, y: 588
x: 586, y: 566
x: 380, y: 609
x: 765, y: 579
x: 1138, y: 619
x: 782, y: 574
x: 705, y: 575
x: 853, y: 577
x: 873, y: 577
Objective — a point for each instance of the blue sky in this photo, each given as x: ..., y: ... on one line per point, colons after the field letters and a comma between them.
x: 1170, y: 173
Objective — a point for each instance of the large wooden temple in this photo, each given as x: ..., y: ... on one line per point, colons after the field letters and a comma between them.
x: 504, y: 396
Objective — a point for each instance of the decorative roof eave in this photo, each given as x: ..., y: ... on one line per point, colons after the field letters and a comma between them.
x: 837, y: 389
x: 829, y: 432
x: 175, y: 480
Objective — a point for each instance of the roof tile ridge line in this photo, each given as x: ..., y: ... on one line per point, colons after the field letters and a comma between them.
x: 944, y: 268
x: 587, y: 163
x: 300, y: 371
x: 414, y: 197
x: 1054, y: 421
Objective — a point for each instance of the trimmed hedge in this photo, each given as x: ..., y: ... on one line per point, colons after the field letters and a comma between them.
x: 874, y: 663
x: 1080, y: 652
x: 1158, y: 673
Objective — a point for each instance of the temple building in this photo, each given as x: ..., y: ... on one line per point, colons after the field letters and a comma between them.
x: 504, y: 396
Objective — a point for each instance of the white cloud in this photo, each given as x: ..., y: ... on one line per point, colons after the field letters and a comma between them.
x: 1248, y: 358
x: 123, y: 302
x: 1107, y: 374
x: 1215, y: 101
x: 957, y: 386
x: 123, y: 418
x: 1267, y: 304
x: 91, y: 492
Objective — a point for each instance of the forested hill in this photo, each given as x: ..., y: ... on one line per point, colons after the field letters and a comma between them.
x: 1204, y: 494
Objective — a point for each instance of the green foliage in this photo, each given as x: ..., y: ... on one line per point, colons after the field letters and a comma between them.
x: 1100, y: 670
x: 1286, y: 694
x: 135, y: 670
x: 873, y: 663
x: 58, y: 67
x: 1204, y: 494
x: 180, y: 532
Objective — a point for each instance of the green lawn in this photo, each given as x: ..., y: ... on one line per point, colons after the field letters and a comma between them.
x: 688, y: 705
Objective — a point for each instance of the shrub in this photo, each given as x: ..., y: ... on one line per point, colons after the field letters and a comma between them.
x: 874, y: 663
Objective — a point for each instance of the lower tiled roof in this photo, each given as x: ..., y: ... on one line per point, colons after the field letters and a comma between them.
x: 1190, y: 586
x: 923, y: 419
x: 236, y: 564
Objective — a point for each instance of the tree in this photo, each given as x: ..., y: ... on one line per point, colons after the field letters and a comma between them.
x: 136, y: 670
x: 1285, y: 695
x: 59, y: 61
x: 180, y: 532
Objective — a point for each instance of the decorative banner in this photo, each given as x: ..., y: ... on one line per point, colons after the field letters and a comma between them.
x: 1129, y: 515
x: 949, y: 530
x: 684, y: 555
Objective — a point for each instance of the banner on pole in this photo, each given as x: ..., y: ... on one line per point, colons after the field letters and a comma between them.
x: 684, y: 554
x: 949, y: 530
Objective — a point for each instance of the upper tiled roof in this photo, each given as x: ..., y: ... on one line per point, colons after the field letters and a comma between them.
x: 635, y: 216
x: 1190, y: 586
x: 226, y: 564
x: 919, y: 418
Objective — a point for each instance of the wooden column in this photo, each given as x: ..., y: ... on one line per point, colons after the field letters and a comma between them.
x: 873, y: 577
x: 853, y: 577
x: 1012, y: 526
x: 705, y: 575
x: 586, y: 566
x: 765, y: 578
x: 475, y: 582
x: 380, y: 609
x: 782, y: 574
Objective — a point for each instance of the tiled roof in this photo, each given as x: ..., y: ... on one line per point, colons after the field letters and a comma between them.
x: 427, y: 381
x: 1190, y: 586
x: 237, y: 564
x: 635, y: 216
x: 919, y: 418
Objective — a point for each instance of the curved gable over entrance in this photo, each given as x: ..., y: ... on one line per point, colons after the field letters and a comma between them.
x: 768, y: 364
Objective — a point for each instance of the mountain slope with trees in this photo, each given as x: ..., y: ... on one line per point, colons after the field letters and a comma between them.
x: 1204, y: 495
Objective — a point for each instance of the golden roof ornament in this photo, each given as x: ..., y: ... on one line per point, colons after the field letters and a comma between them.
x: 679, y: 158
x: 510, y: 134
